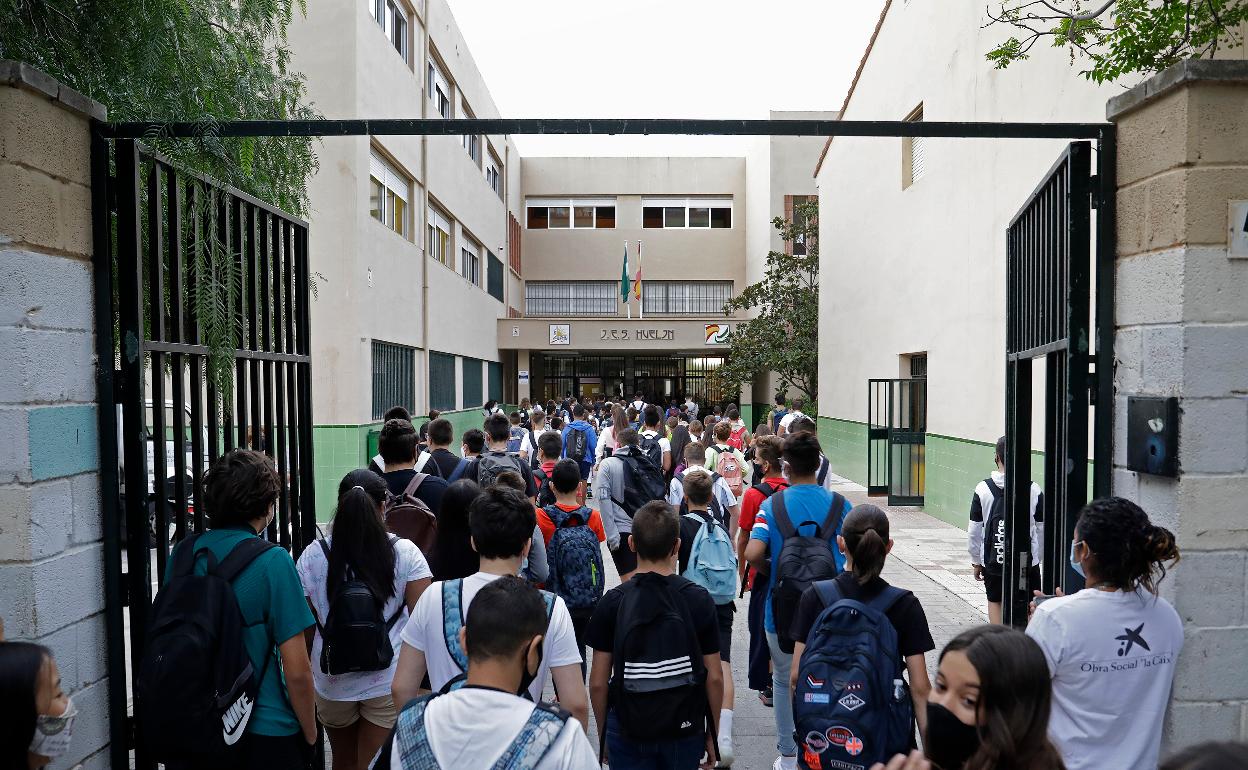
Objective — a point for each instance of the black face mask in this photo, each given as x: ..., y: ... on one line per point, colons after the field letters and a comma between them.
x: 949, y: 742
x: 527, y: 678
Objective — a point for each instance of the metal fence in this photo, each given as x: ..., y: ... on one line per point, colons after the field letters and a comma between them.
x: 181, y: 382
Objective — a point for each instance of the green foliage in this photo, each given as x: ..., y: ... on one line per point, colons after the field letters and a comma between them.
x: 1120, y: 37
x: 783, y: 337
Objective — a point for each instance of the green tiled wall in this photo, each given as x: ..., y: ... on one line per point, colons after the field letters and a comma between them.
x: 845, y: 444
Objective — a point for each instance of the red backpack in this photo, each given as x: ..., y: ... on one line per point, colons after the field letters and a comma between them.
x: 737, y: 438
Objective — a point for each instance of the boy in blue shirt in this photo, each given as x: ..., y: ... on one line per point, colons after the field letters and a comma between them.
x: 808, y: 507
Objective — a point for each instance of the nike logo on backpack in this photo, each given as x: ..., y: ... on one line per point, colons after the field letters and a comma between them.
x: 235, y: 718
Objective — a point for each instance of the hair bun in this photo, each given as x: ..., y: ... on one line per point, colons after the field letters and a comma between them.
x: 1160, y: 544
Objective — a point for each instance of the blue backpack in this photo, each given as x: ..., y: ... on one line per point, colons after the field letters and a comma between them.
x: 516, y: 439
x: 852, y: 707
x: 712, y: 560
x: 575, y: 559
x: 453, y: 613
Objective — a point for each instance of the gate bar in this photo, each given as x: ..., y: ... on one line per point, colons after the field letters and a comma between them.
x: 526, y: 126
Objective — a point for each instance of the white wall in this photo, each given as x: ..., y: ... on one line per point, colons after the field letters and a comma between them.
x: 923, y: 269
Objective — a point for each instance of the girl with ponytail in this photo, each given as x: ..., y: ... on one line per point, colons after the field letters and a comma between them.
x: 865, y: 542
x: 1111, y: 647
x: 356, y: 708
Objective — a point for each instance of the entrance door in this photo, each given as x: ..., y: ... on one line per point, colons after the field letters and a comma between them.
x: 896, y: 439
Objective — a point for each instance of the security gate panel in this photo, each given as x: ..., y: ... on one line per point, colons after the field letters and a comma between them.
x: 896, y: 439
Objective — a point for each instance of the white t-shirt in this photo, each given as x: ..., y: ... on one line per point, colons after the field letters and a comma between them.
x: 526, y: 445
x: 313, y: 568
x: 472, y: 727
x: 664, y: 443
x: 721, y: 490
x: 788, y: 419
x: 424, y: 632
x: 1112, y: 656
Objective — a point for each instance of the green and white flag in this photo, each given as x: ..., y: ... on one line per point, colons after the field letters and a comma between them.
x: 625, y: 287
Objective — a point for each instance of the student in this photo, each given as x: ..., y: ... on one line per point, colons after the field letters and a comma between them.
x: 652, y: 441
x: 723, y: 501
x: 1118, y: 618
x: 525, y: 411
x: 491, y: 408
x: 377, y: 464
x: 698, y: 492
x: 691, y: 406
x: 502, y: 523
x: 790, y: 416
x: 768, y: 451
x: 671, y: 725
x: 472, y: 443
x: 607, y: 441
x: 865, y: 543
x: 503, y: 637
x: 453, y: 556
x: 537, y: 428
x: 518, y: 434
x: 39, y: 715
x: 580, y: 441
x: 777, y: 413
x: 697, y: 431
x: 549, y: 451
x: 810, y: 514
x: 484, y: 469
x: 356, y: 707
x: 678, y: 438
x: 728, y: 461
x: 534, y: 568
x: 990, y: 706
x: 625, y: 482
x: 423, y: 431
x: 240, y: 491
x: 638, y: 402
x: 985, y: 537
x: 398, y: 450
x: 751, y: 453
x: 575, y: 559
x: 441, y: 434
x: 824, y: 475
x: 739, y: 435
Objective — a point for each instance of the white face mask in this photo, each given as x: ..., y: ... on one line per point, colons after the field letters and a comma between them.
x: 53, y: 733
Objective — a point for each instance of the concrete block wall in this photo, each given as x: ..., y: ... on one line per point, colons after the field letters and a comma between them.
x: 51, y: 549
x: 1182, y: 330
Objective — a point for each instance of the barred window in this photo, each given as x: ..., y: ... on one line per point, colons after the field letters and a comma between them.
x: 494, y: 380
x: 560, y: 298
x: 472, y: 383
x: 494, y: 277
x: 685, y: 297
x: 470, y: 262
x: 394, y: 377
x: 442, y: 395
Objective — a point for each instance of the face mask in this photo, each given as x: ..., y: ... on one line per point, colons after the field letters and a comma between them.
x: 949, y: 742
x: 527, y: 678
x: 53, y: 733
x: 1075, y: 564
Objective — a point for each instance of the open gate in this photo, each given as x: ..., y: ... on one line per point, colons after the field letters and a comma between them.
x: 176, y: 240
x: 1048, y: 296
x: 896, y: 439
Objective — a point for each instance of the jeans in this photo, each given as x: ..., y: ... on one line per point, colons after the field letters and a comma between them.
x: 781, y: 662
x: 759, y: 675
x: 627, y: 754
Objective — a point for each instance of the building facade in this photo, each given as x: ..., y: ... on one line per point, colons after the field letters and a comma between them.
x: 912, y: 237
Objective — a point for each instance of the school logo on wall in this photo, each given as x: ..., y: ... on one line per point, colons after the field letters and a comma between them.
x: 718, y: 334
x: 560, y: 334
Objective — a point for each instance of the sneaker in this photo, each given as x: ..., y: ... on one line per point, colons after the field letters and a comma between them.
x: 767, y: 697
x: 785, y: 763
x: 725, y: 753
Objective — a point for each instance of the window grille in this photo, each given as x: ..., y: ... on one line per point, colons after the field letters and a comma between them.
x: 394, y: 377
x: 685, y: 297
x: 494, y: 372
x: 442, y: 395
x: 494, y: 277
x: 567, y: 298
x: 472, y: 383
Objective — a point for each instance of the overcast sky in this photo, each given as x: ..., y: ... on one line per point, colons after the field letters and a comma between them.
x: 662, y: 59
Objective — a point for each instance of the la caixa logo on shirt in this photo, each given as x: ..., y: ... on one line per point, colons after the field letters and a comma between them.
x: 1130, y: 640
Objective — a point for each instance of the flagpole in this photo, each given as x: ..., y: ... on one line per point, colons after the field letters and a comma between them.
x: 627, y: 303
x: 641, y: 304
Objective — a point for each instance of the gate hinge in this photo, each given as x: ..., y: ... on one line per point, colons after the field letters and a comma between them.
x: 1094, y: 189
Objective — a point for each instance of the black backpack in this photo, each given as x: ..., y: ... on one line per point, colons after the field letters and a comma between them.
x: 804, y: 560
x: 196, y: 690
x: 658, y: 679
x: 356, y: 636
x: 577, y: 444
x: 545, y: 490
x: 716, y: 509
x: 643, y: 482
x: 994, y: 531
x: 652, y: 448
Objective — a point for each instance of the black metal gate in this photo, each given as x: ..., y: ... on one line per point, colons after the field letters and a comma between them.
x: 167, y: 243
x: 1047, y: 317
x: 896, y: 439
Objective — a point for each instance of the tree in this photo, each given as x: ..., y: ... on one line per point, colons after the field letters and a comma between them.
x: 1120, y: 36
x: 783, y: 337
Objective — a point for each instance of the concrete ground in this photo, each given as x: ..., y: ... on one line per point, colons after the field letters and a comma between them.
x: 929, y: 558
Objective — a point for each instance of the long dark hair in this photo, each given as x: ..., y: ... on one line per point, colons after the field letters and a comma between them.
x: 866, y: 540
x: 453, y: 556
x: 360, y: 539
x: 1015, y: 694
x: 21, y: 664
x: 1128, y: 550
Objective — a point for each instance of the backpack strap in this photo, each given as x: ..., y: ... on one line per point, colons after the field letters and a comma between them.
x: 410, y: 737
x: 241, y: 556
x: 780, y: 517
x: 459, y: 469
x: 414, y: 484
x: 539, y: 733
x: 832, y: 522
x: 829, y: 592
x: 184, y: 557
x: 824, y: 466
x: 996, y: 491
x: 884, y: 600
x: 453, y: 620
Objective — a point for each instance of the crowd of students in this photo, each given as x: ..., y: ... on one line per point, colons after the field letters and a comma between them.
x: 449, y: 591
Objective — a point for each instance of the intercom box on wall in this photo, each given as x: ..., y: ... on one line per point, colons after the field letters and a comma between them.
x: 1153, y: 435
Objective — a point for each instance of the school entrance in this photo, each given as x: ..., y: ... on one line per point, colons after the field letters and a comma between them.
x: 658, y: 378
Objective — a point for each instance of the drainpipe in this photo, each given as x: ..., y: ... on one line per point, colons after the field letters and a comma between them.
x: 422, y: 244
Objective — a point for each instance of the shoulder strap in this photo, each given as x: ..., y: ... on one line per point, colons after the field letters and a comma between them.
x: 414, y: 484
x: 829, y: 592
x: 453, y: 620
x: 410, y: 737
x: 184, y: 560
x: 240, y: 556
x: 539, y: 733
x: 832, y: 521
x: 993, y: 488
x: 324, y: 546
x: 885, y: 600
x: 780, y: 517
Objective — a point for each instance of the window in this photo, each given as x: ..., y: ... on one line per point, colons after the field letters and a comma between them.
x: 442, y: 391
x: 392, y: 18
x: 494, y: 175
x: 494, y: 277
x: 494, y: 380
x: 685, y: 297
x: 578, y: 214
x: 796, y: 210
x: 918, y: 365
x: 470, y: 262
x: 388, y: 192
x: 472, y: 142
x: 472, y: 382
x: 913, y: 152
x: 686, y: 213
x: 394, y: 377
x: 439, y: 240
x: 561, y: 298
x: 439, y: 90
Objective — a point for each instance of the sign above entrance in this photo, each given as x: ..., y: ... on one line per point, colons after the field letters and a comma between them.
x: 560, y: 334
x: 624, y: 335
x: 718, y: 334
